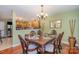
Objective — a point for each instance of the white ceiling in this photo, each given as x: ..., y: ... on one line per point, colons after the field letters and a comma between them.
x: 30, y: 11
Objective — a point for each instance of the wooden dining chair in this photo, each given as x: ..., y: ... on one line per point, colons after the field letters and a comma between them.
x: 57, y: 43
x: 50, y: 47
x: 0, y: 37
x: 60, y: 39
x: 23, y: 44
x: 56, y: 49
x: 32, y: 47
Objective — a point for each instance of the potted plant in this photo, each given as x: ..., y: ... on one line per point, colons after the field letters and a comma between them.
x: 72, y: 39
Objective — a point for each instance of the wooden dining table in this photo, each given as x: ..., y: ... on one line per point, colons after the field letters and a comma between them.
x: 42, y: 42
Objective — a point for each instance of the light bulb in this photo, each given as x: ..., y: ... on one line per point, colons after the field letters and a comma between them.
x: 46, y: 14
x: 42, y: 13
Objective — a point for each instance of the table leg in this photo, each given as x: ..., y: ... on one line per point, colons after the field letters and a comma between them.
x: 42, y: 51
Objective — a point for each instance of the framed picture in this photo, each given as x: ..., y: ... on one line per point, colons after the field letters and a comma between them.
x: 56, y: 24
x: 21, y: 25
x: 52, y: 24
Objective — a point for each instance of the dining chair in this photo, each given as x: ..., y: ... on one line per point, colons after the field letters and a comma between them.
x: 55, y: 46
x: 32, y: 46
x: 49, y: 47
x: 54, y: 32
x: 1, y: 38
x: 23, y: 44
x: 59, y: 41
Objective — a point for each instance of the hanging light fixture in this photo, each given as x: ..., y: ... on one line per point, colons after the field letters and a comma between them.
x: 42, y: 15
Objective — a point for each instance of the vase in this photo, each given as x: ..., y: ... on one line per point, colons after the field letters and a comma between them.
x: 72, y: 42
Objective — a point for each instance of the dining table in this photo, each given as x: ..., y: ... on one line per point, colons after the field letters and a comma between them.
x: 42, y: 42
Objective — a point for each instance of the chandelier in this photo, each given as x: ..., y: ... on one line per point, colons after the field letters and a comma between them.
x: 42, y: 15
